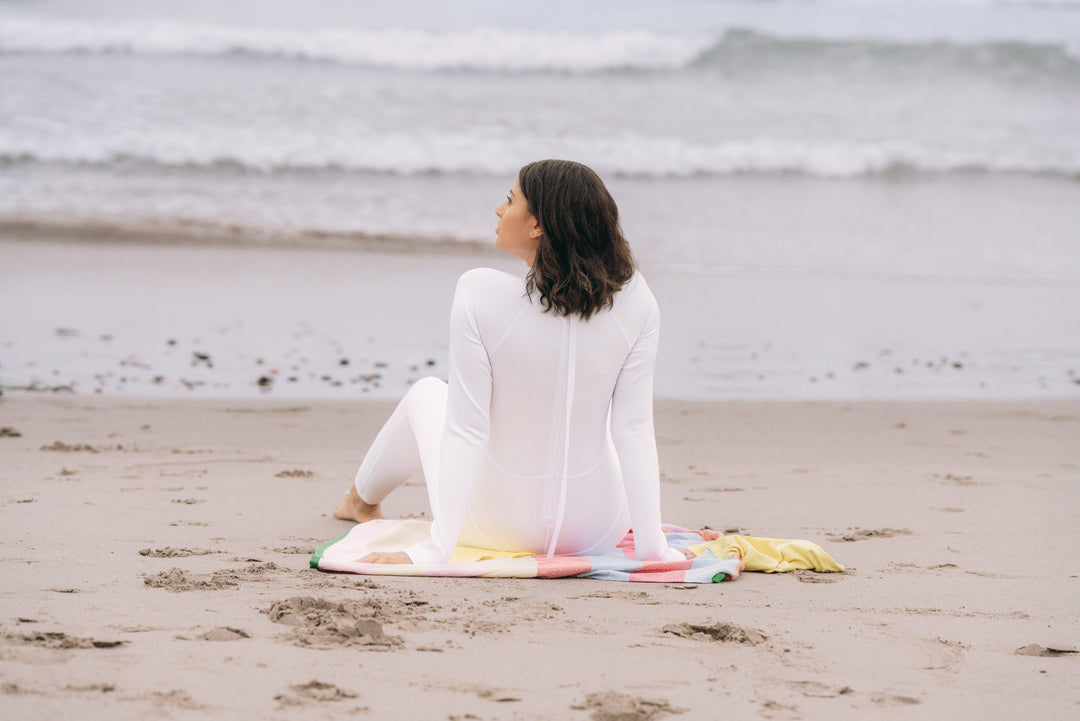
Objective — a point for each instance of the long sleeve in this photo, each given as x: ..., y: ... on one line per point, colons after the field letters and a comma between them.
x: 635, y: 442
x: 468, y: 422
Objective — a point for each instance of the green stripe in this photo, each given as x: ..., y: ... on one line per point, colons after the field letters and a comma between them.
x: 719, y: 577
x: 317, y: 556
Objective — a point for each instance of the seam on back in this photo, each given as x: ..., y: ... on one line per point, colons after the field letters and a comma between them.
x: 476, y: 527
x: 506, y: 334
x: 537, y: 477
x: 586, y: 551
x: 622, y: 331
x: 603, y: 457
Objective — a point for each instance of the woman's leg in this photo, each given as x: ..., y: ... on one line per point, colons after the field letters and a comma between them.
x: 409, y: 441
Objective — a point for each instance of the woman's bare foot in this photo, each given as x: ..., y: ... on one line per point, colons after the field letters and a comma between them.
x: 353, y: 508
x: 742, y: 566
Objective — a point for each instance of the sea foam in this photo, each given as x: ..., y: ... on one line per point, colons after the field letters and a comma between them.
x: 628, y: 154
x: 501, y: 49
x: 407, y: 49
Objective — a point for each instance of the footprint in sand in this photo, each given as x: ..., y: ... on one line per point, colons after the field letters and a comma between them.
x: 177, y: 579
x: 494, y: 695
x: 614, y: 706
x: 486, y: 692
x: 92, y: 688
x: 860, y: 534
x: 176, y: 699
x: 813, y: 577
x: 815, y: 689
x: 892, y: 700
x: 170, y: 552
x: 958, y: 480
x: 224, y: 633
x: 317, y: 691
x: 1034, y: 649
x: 298, y: 550
x: 720, y: 631
x: 324, y: 624
x: 623, y: 595
x: 61, y: 447
x: 769, y: 706
x: 56, y: 639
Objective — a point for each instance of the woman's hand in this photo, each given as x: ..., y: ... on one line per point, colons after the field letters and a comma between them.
x: 395, y: 557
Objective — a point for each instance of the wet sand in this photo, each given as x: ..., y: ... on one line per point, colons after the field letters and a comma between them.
x: 155, y: 562
x: 191, y: 320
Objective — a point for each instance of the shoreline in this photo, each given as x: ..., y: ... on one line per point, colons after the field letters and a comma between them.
x: 939, y: 510
x: 292, y: 323
x: 965, y: 228
x: 105, y: 235
x: 204, y: 235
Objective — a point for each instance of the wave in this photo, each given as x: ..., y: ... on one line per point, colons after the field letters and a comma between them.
x: 493, y: 49
x: 463, y: 154
x: 503, y: 50
x: 742, y: 50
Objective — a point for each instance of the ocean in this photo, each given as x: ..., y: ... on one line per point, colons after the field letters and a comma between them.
x: 935, y: 141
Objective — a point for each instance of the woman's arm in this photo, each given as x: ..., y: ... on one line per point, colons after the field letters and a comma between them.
x: 468, y: 422
x: 635, y: 442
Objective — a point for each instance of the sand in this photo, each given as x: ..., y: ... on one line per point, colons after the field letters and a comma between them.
x: 191, y: 320
x: 155, y: 562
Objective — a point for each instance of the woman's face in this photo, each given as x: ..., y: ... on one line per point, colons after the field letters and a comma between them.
x: 518, y: 232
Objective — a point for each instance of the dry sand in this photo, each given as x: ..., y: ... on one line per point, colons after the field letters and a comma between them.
x: 155, y: 564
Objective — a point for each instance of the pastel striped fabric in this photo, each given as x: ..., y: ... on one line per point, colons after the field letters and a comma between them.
x: 716, y: 557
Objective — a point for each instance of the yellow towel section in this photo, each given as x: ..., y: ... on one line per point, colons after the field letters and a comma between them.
x: 771, y: 555
x: 468, y: 554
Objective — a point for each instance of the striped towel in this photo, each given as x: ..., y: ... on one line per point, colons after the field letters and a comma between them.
x: 716, y: 557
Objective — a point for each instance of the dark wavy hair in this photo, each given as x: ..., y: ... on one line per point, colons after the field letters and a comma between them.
x: 583, y: 260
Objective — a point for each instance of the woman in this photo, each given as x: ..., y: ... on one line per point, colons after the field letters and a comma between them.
x: 543, y: 439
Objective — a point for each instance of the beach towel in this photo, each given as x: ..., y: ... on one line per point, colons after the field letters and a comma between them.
x: 716, y: 557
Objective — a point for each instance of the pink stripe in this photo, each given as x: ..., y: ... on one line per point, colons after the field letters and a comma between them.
x: 626, y: 545
x: 662, y: 577
x: 561, y: 566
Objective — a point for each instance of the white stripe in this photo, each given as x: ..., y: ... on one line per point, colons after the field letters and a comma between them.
x: 571, y: 366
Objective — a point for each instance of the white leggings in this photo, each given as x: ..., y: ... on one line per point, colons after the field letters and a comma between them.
x: 410, y: 441
x: 506, y: 516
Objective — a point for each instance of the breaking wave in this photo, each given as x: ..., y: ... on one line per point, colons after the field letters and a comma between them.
x: 502, y: 50
x: 467, y: 154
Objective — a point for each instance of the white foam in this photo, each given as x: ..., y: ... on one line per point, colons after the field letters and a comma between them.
x: 409, y: 49
x: 475, y: 153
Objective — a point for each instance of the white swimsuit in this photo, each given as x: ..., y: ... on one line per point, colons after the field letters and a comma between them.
x: 543, y: 441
